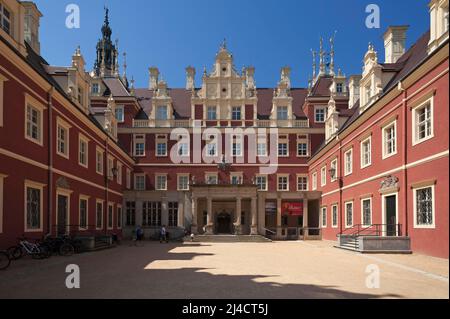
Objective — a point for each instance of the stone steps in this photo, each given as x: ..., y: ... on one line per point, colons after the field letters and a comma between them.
x: 230, y: 239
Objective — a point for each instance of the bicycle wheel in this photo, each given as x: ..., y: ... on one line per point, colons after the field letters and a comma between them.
x: 15, y: 252
x: 5, y: 261
x: 66, y: 250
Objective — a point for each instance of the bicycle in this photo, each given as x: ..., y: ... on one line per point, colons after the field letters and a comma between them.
x: 25, y: 247
x: 5, y: 260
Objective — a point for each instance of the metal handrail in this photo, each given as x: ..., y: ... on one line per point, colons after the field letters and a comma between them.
x: 357, y: 230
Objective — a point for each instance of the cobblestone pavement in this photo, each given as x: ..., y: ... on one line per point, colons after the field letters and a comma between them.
x: 234, y: 270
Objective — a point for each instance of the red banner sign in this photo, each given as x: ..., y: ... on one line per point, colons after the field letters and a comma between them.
x: 292, y: 208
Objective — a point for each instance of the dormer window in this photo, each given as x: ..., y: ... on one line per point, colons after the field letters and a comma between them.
x: 320, y: 114
x: 161, y: 113
x: 5, y: 19
x: 80, y: 95
x: 120, y: 114
x: 95, y: 88
x: 282, y: 113
x: 446, y: 20
x: 339, y: 88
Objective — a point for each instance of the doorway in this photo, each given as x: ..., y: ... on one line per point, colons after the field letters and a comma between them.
x: 62, y: 215
x: 390, y: 212
x: 224, y: 223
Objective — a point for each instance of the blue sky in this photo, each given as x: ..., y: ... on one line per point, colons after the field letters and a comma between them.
x: 268, y: 34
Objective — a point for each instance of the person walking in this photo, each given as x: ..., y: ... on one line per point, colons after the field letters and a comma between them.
x: 163, y: 234
x: 139, y: 235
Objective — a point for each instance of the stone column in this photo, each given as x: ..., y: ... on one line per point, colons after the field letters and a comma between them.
x: 164, y: 211
x: 139, y: 212
x: 209, y: 221
x: 254, y: 225
x: 194, y: 227
x: 279, y: 216
x: 305, y: 217
x: 237, y: 225
x: 181, y: 210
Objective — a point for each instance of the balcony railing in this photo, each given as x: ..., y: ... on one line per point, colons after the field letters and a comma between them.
x: 221, y: 123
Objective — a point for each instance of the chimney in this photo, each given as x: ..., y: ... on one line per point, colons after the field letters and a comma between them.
x: 154, y: 75
x: 31, y: 26
x: 286, y: 76
x: 353, y: 86
x: 394, y: 43
x: 190, y: 78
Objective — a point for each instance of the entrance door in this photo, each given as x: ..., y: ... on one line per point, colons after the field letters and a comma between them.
x: 391, y: 215
x: 224, y: 223
x: 62, y: 215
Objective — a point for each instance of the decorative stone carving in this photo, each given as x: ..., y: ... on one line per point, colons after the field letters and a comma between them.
x: 62, y: 182
x: 389, y: 183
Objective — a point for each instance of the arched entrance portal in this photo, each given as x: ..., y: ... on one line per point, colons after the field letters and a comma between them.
x: 224, y: 224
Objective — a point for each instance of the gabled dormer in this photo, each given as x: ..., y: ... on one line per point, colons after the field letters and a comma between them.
x: 162, y: 108
x: 12, y: 20
x: 439, y: 23
x: 79, y: 81
x: 110, y: 121
x: 371, y: 81
x: 282, y: 99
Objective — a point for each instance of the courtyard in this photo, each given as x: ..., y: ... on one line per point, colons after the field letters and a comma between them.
x: 286, y: 270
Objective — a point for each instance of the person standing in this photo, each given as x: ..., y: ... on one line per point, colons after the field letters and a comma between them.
x: 163, y: 234
x: 139, y: 235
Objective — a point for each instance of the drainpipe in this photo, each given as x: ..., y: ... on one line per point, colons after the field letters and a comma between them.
x: 105, y: 224
x: 340, y: 181
x: 405, y: 154
x: 50, y: 161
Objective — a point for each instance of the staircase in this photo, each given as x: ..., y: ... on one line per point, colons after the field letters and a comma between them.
x: 230, y: 239
x: 349, y: 243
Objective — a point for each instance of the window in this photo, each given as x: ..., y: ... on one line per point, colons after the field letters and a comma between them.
x: 283, y: 149
x: 324, y: 217
x: 62, y: 147
x: 99, y: 214
x: 339, y: 88
x: 366, y: 211
x: 423, y: 122
x: 236, y: 179
x: 302, y: 149
x: 334, y: 170
x: 334, y: 216
x: 34, y: 124
x: 282, y: 113
x: 83, y: 213
x: 183, y: 149
x: 139, y: 182
x: 237, y: 149
x: 33, y: 206
x: 99, y: 161
x: 5, y: 19
x: 83, y: 151
x: 390, y: 140
x: 110, y: 168
x: 323, y: 176
x: 161, y: 182
x: 110, y: 215
x: 366, y: 152
x: 119, y: 174
x: 211, y: 149
x: 128, y: 179
x: 320, y: 114
x: 161, y: 113
x: 120, y: 115
x: 212, y: 113
x: 211, y: 179
x: 2, y: 80
x: 139, y: 145
x: 261, y: 148
x: 80, y: 95
x: 349, y: 214
x: 424, y: 211
x: 283, y: 182
x: 183, y: 182
x: 348, y: 162
x: 261, y: 183
x: 151, y: 214
x: 95, y: 88
x: 161, y: 145
x: 119, y: 216
x: 302, y: 183
x: 173, y: 214
x: 130, y: 213
x: 236, y: 113
x: 314, y: 181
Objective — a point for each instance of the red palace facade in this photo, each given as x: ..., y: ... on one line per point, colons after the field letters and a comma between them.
x: 87, y: 153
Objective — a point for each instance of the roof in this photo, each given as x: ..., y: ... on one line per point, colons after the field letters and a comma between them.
x: 322, y: 86
x: 181, y: 99
x: 115, y: 86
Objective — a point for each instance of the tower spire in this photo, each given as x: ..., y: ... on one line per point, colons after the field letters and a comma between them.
x: 106, y: 63
x: 332, y: 53
x: 314, y: 64
x: 322, y: 68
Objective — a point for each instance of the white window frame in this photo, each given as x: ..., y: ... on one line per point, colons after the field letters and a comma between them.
x: 237, y: 142
x: 60, y: 123
x: 179, y: 188
x: 119, y: 216
x: 323, y: 176
x: 261, y: 148
x: 10, y: 21
x: 364, y: 165
x: 122, y: 109
x: 322, y: 210
x: 99, y: 201
x: 346, y: 212
x: 83, y: 198
x: 235, y: 108
x: 307, y: 182
x: 3, y: 79
x: 362, y: 211
x: 110, y: 167
x: 83, y: 139
x: 108, y: 219
x: 303, y: 141
x: 136, y: 177
x: 286, y: 111
x: 316, y: 109
x: 208, y: 109
x: 384, y: 132
x: 138, y: 139
x: 40, y: 108
x: 265, y: 182
x: 214, y: 175
x: 287, y: 182
x: 239, y: 176
x: 158, y: 113
x: 334, y: 164
x: 348, y: 171
x: 40, y: 187
x: 334, y: 225
x: 287, y: 148
x: 119, y: 173
x: 415, y: 189
x: 157, y: 180
x: 314, y: 181
x: 161, y: 140
x: 415, y: 109
x: 98, y: 152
